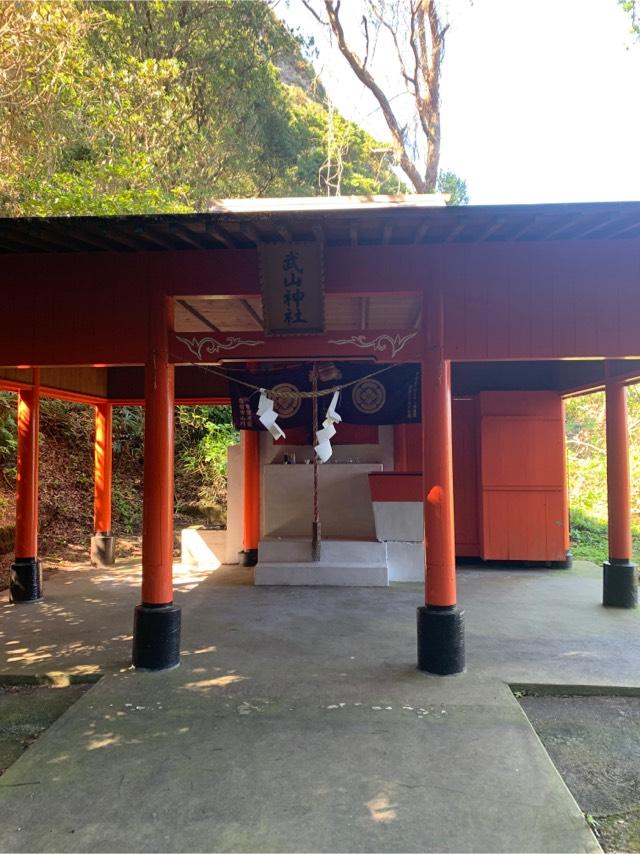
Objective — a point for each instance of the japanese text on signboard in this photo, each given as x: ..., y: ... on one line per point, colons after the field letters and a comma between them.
x: 292, y: 288
x: 293, y: 295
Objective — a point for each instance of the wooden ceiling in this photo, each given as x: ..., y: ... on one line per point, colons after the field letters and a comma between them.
x: 368, y: 221
x: 226, y: 314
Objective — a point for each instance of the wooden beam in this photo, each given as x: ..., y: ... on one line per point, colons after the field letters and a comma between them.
x: 455, y: 232
x: 220, y: 235
x: 193, y: 348
x: 187, y: 236
x: 200, y: 237
x: 364, y: 312
x: 417, y: 323
x: 423, y: 228
x: 254, y: 314
x: 489, y: 230
x: 153, y: 238
x: 138, y: 239
x: 7, y: 246
x: 567, y: 226
x: 624, y: 230
x: 251, y: 233
x: 194, y: 311
x: 24, y: 243
x: 524, y: 228
x: 43, y: 243
x: 110, y: 240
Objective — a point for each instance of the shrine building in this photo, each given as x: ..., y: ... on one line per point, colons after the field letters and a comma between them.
x: 424, y: 350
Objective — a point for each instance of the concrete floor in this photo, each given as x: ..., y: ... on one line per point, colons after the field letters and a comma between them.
x: 298, y: 721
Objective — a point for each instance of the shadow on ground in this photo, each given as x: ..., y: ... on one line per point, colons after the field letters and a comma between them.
x: 298, y: 720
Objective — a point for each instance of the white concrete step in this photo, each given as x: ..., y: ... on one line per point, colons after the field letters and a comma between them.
x: 276, y: 551
x: 369, y: 553
x: 307, y: 574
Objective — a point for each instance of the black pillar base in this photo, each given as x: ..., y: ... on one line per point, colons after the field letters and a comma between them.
x: 103, y: 549
x: 441, y: 640
x: 25, y: 583
x: 156, y: 637
x: 248, y: 557
x: 619, y: 584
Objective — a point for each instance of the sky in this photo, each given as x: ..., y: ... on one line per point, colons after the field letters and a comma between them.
x: 539, y: 97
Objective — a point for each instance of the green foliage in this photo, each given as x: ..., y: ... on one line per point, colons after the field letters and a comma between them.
x: 66, y: 472
x: 587, y: 472
x: 449, y: 182
x: 128, y: 458
x: 632, y: 7
x: 204, y: 434
x: 8, y: 434
x: 587, y: 454
x: 120, y: 107
x: 336, y: 154
x: 588, y: 537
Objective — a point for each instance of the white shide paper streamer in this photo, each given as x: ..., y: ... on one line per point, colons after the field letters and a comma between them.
x: 323, y: 447
x: 267, y: 416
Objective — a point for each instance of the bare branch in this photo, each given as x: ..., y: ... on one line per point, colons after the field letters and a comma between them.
x: 418, y: 37
x: 365, y: 28
x: 367, y: 79
x: 408, y: 78
x: 310, y: 8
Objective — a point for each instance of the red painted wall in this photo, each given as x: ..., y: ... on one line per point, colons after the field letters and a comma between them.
x: 407, y: 447
x: 464, y: 425
x: 522, y: 480
x: 540, y: 300
x: 509, y: 476
x: 503, y: 300
x: 408, y: 458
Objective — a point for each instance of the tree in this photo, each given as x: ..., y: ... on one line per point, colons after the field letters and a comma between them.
x: 454, y: 186
x: 632, y: 7
x: 131, y: 107
x: 412, y: 30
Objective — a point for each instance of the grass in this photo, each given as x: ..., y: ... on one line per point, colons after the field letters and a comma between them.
x: 620, y: 832
x: 589, y: 538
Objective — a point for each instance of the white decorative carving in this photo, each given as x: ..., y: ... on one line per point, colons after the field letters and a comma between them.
x: 379, y: 344
x: 212, y: 346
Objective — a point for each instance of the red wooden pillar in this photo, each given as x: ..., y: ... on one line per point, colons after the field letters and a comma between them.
x: 102, y: 542
x: 250, y: 496
x: 440, y: 621
x: 620, y: 583
x: 26, y: 571
x: 156, y: 637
